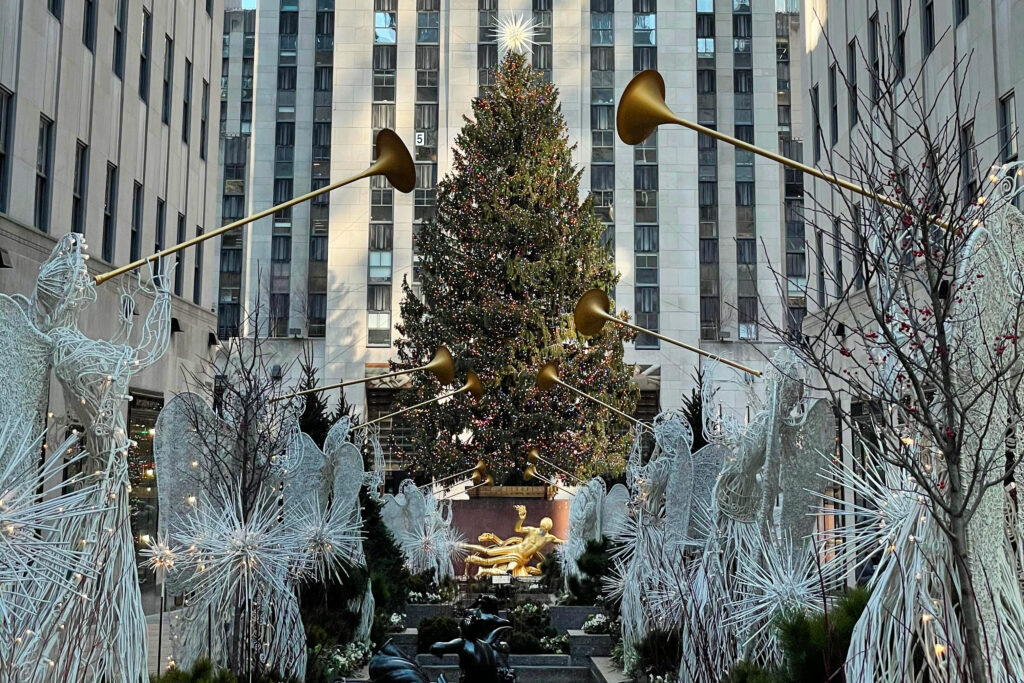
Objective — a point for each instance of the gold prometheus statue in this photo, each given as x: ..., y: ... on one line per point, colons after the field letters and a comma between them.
x: 513, y: 555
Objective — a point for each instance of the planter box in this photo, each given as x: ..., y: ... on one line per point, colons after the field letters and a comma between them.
x: 603, y: 670
x: 583, y: 646
x: 414, y: 614
x: 566, y: 617
x: 547, y: 492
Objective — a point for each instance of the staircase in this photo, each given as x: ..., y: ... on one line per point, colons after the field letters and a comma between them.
x: 529, y: 668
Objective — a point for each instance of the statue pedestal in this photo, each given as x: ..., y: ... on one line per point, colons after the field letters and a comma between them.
x: 545, y: 492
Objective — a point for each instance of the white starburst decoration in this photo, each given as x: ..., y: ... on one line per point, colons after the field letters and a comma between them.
x: 515, y: 33
x: 775, y: 579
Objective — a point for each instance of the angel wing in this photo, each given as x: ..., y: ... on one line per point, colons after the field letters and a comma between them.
x: 24, y: 374
x: 707, y: 465
x: 803, y: 446
x: 679, y: 497
x: 392, y: 513
x: 181, y: 455
x: 302, y: 475
x: 615, y: 511
x: 346, y: 462
x: 584, y: 524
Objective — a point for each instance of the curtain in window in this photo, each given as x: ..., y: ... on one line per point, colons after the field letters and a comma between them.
x: 427, y: 57
x: 602, y: 59
x: 747, y: 308
x: 602, y: 178
x: 317, y: 307
x: 385, y: 57
x: 645, y: 177
x: 645, y: 239
x: 382, y: 116
x: 426, y: 176
x: 745, y: 194
x: 709, y: 250
x: 425, y: 117
x: 282, y: 190
x: 646, y: 299
x: 378, y: 298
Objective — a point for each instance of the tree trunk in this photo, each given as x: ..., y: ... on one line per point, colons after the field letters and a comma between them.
x: 974, y: 651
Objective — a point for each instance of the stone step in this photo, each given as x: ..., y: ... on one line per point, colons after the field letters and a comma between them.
x: 515, y: 661
x: 414, y: 613
x: 405, y: 640
x: 583, y: 646
x: 597, y: 670
x: 525, y: 674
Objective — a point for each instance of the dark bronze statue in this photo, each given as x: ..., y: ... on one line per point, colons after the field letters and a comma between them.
x: 390, y: 665
x: 483, y: 657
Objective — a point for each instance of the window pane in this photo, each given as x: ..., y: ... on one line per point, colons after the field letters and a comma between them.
x: 385, y: 28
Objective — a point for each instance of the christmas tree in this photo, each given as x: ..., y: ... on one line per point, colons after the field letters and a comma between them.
x: 510, y: 251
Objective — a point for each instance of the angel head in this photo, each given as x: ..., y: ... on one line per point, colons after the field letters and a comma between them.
x: 64, y: 285
x: 673, y: 433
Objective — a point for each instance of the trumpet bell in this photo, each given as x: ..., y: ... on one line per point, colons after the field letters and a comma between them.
x: 477, y: 477
x: 592, y: 311
x: 473, y: 385
x: 547, y: 377
x: 533, y: 457
x: 530, y: 473
x: 642, y: 108
x: 481, y: 467
x: 489, y: 480
x: 442, y: 365
x: 395, y: 163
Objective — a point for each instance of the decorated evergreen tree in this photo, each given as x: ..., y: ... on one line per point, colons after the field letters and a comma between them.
x: 510, y: 251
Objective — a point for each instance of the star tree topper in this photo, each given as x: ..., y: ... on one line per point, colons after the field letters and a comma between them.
x: 515, y: 33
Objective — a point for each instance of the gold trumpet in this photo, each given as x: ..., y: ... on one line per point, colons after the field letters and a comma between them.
x: 547, y: 377
x: 533, y: 457
x: 478, y: 481
x: 479, y: 471
x: 472, y: 385
x: 393, y: 162
x: 442, y: 366
x: 592, y: 312
x: 642, y: 109
x: 531, y: 473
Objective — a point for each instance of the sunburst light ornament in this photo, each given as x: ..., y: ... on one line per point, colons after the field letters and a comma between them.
x: 515, y: 32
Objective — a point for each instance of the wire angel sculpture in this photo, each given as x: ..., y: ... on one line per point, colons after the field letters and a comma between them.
x: 104, y: 610
x: 727, y: 529
x: 422, y: 527
x: 648, y: 550
x: 248, y: 547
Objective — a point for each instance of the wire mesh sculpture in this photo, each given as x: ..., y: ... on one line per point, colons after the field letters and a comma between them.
x: 103, y: 610
x: 422, y: 527
x: 34, y: 558
x: 648, y: 555
x: 247, y: 548
x: 585, y: 510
